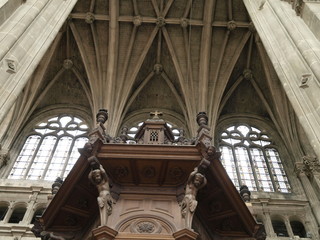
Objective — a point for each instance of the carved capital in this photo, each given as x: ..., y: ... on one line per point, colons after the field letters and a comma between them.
x: 300, y: 169
x: 312, y: 164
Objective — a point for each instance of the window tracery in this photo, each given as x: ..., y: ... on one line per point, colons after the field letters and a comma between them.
x: 51, y: 149
x: 250, y: 158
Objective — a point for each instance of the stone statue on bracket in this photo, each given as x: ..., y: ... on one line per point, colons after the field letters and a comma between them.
x: 99, y: 178
x: 189, y: 203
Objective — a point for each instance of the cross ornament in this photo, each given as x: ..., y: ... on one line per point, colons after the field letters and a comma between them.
x: 156, y: 114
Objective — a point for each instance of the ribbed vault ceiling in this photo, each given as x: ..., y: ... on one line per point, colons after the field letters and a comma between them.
x: 176, y: 56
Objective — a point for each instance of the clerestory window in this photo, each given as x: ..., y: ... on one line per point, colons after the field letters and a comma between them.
x: 51, y: 150
x: 250, y: 158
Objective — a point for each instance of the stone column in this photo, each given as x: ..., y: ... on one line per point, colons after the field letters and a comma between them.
x: 268, y: 225
x: 293, y: 51
x: 302, y: 173
x: 288, y: 226
x: 8, y: 214
x: 30, y: 209
x: 25, y: 38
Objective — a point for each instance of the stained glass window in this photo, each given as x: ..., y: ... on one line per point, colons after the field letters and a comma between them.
x: 51, y: 150
x: 250, y: 158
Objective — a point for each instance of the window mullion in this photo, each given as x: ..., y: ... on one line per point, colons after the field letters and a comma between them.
x: 270, y: 172
x: 252, y: 168
x: 68, y: 157
x: 236, y: 165
x: 33, y: 157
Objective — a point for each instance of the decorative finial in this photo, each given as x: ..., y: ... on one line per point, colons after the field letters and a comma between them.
x: 245, y: 193
x: 56, y: 185
x: 156, y: 114
x: 102, y: 116
x: 202, y: 119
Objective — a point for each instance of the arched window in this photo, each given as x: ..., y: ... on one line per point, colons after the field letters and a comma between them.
x: 17, y: 214
x: 279, y: 228
x: 298, y: 229
x: 51, y: 149
x: 37, y: 214
x: 251, y: 159
x: 3, y: 210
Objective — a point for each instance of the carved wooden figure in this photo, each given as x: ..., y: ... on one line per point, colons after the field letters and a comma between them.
x: 189, y: 203
x: 98, y: 177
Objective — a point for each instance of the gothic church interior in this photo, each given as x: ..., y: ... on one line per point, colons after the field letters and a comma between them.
x: 251, y: 66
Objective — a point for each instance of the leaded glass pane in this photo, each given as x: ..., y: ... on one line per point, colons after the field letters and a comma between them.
x: 25, y: 157
x: 79, y: 143
x: 245, y: 169
x: 245, y: 154
x: 59, y: 157
x: 278, y: 172
x: 261, y: 170
x: 229, y: 164
x: 53, y: 152
x: 40, y: 160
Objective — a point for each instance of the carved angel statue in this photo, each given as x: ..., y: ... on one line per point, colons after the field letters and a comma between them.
x: 189, y: 203
x: 99, y: 178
